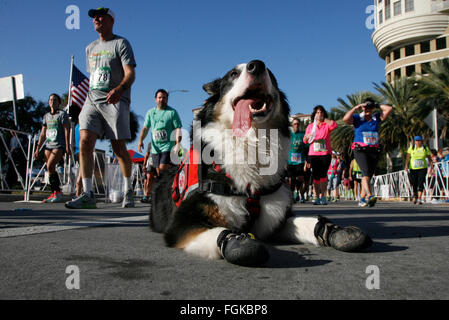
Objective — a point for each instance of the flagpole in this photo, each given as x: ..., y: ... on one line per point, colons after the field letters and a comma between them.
x: 69, y: 102
x: 435, y: 127
x: 69, y: 99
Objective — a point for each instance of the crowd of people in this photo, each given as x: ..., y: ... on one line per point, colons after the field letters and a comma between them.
x: 312, y: 162
x: 328, y: 169
x: 309, y: 158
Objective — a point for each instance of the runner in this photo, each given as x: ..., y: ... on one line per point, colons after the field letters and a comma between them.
x: 318, y: 135
x: 332, y: 177
x: 149, y: 173
x: 297, y: 162
x: 355, y: 176
x: 55, y: 133
x: 366, y: 144
x: 416, y: 166
x: 111, y: 64
x: 162, y: 120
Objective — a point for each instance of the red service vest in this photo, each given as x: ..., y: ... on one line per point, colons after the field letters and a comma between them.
x: 188, y: 177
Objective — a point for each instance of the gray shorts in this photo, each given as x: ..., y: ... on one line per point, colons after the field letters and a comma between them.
x: 109, y: 120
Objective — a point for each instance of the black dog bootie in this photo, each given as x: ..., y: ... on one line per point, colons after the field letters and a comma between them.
x: 348, y: 239
x: 242, y: 249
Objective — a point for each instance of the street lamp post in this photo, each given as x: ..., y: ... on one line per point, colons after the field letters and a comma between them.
x: 178, y: 90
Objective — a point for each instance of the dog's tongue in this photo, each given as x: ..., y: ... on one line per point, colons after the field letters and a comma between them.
x: 242, y: 118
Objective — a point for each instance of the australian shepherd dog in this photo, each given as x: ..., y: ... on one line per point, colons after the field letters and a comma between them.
x: 237, y: 198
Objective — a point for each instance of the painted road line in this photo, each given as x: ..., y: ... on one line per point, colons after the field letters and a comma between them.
x: 64, y: 226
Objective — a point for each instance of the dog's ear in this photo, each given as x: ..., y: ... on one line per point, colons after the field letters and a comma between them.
x: 212, y: 88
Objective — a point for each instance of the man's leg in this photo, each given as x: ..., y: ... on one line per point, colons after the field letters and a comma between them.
x: 124, y: 159
x: 87, y: 147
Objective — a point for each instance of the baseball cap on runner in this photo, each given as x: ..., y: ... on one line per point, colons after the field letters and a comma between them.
x: 93, y: 12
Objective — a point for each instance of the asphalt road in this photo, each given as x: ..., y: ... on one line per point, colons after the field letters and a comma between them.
x: 49, y: 252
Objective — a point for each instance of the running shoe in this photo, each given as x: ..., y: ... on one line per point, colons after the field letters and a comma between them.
x: 146, y: 199
x: 57, y: 197
x: 84, y: 201
x: 372, y: 201
x: 49, y: 199
x: 363, y: 203
x: 323, y: 201
x: 316, y: 201
x: 295, y: 196
x: 128, y: 200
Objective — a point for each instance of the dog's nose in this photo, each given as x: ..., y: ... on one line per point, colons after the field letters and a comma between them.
x: 256, y: 67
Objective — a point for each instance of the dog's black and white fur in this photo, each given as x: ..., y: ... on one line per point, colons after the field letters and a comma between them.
x: 197, y: 224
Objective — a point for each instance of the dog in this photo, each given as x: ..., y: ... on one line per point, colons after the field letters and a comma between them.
x: 233, y: 198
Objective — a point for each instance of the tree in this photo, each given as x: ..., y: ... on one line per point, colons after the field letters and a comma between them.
x: 401, y: 126
x: 433, y: 92
x: 29, y: 114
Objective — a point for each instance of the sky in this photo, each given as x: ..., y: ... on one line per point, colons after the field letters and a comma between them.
x: 319, y: 51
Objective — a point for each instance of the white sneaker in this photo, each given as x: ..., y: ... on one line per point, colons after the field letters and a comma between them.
x: 436, y: 201
x: 128, y: 200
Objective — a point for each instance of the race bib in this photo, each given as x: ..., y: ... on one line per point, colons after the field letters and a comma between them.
x: 52, y: 134
x: 160, y: 135
x: 100, y: 79
x: 358, y: 175
x: 296, y: 157
x: 371, y: 138
x: 419, y: 164
x: 320, y: 146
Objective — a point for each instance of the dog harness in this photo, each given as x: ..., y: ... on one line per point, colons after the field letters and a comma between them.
x: 189, y: 180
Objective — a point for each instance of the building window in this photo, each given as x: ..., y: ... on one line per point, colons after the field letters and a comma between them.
x: 389, y: 77
x: 397, y: 8
x: 441, y: 43
x: 387, y: 9
x: 397, y: 74
x: 425, y: 67
x: 381, y: 17
x: 409, y: 5
x: 397, y: 54
x: 410, y: 50
x: 410, y: 70
x: 425, y: 46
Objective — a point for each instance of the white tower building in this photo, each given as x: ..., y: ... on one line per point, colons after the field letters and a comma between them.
x: 410, y: 34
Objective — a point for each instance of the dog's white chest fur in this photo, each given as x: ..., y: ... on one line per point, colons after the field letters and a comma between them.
x: 257, y: 161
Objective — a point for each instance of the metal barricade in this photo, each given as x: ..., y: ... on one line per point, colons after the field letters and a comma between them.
x: 15, y: 148
x: 397, y: 184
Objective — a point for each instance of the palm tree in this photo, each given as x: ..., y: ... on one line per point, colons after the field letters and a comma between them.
x: 433, y: 92
x: 401, y: 126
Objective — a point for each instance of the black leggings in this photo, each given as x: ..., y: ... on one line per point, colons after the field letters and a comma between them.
x: 320, y: 166
x: 367, y: 162
x: 417, y: 179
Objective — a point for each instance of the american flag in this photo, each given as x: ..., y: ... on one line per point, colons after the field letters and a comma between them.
x: 80, y: 87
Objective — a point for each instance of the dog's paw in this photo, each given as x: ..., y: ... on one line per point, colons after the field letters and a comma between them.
x: 242, y: 249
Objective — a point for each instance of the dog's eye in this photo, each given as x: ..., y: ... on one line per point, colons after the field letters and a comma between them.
x: 234, y: 74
